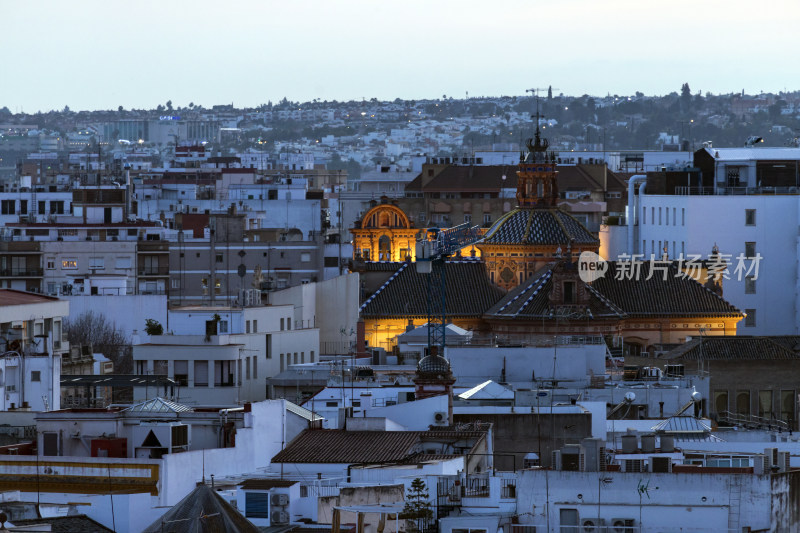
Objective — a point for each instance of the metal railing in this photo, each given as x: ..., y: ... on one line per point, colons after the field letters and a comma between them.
x: 752, y: 421
x: 734, y: 191
x: 22, y: 272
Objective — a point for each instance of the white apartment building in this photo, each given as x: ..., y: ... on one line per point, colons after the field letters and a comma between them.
x: 746, y: 225
x: 224, y: 355
x: 32, y: 345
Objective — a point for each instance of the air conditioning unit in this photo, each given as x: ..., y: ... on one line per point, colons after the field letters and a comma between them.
x: 279, y: 500
x: 622, y: 525
x: 592, y: 525
x: 280, y: 517
x: 16, y: 324
x: 440, y: 418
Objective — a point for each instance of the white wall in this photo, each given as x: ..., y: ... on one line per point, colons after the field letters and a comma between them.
x: 720, y: 220
x: 541, y: 491
x: 476, y: 364
x: 128, y: 313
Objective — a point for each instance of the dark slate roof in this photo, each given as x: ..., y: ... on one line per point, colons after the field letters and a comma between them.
x: 531, y: 299
x: 266, y: 484
x: 539, y: 226
x: 738, y: 348
x: 65, y: 524
x: 202, y: 511
x: 619, y: 298
x: 404, y: 294
x: 677, y: 295
x: 382, y: 266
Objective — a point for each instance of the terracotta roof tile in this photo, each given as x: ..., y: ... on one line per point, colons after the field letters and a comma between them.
x: 737, y: 348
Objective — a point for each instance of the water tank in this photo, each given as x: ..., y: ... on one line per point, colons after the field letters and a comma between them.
x: 667, y: 443
x: 629, y: 444
x: 648, y: 443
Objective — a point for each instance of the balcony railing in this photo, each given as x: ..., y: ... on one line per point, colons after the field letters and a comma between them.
x: 154, y: 271
x: 22, y: 272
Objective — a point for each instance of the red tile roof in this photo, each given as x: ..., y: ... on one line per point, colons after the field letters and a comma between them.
x: 15, y: 297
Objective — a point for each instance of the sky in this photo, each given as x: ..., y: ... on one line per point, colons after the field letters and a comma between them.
x: 90, y: 54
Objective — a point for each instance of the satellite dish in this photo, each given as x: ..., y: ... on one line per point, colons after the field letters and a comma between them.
x: 630, y: 397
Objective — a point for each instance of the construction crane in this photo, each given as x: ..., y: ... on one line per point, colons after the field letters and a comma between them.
x: 433, y: 249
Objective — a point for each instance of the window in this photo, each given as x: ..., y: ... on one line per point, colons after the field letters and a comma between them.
x: 160, y: 367
x: 305, y: 257
x: 281, y: 324
x: 282, y: 363
x: 750, y: 318
x: 57, y: 207
x: 201, y: 373
x: 175, y: 283
x: 683, y: 216
x: 787, y: 406
x: 311, y: 356
x: 256, y: 504
x: 721, y: 401
x: 69, y: 264
x: 302, y: 357
x: 644, y: 216
x: 51, y: 263
x: 304, y: 491
x: 223, y: 373
x: 255, y: 367
x: 765, y: 403
x: 268, y: 346
x: 239, y: 372
x: 246, y: 368
x: 749, y: 217
x: 569, y: 292
x: 141, y: 368
x: 743, y: 402
x: 36, y: 375
x: 666, y: 216
x: 255, y: 326
x: 181, y: 373
x: 247, y: 326
x: 750, y: 285
x: 219, y: 258
x: 42, y: 207
x: 288, y: 323
x: 487, y: 218
x: 749, y: 249
x: 331, y: 262
x: 8, y: 207
x: 97, y: 263
x: 468, y: 219
x: 223, y: 326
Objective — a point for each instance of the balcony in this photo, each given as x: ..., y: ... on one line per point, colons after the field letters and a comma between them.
x: 154, y: 271
x: 21, y: 273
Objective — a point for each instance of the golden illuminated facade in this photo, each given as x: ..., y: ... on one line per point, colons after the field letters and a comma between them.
x: 537, y: 232
x: 385, y: 233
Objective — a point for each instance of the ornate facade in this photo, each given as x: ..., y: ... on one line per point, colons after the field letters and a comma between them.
x: 537, y: 231
x: 385, y: 233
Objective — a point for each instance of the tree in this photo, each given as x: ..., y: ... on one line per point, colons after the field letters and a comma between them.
x: 105, y: 338
x: 418, y: 506
x: 153, y: 327
x: 686, y: 97
x: 549, y: 92
x: 120, y: 109
x: 169, y: 106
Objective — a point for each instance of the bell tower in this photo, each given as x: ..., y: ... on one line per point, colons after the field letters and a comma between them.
x: 537, y: 181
